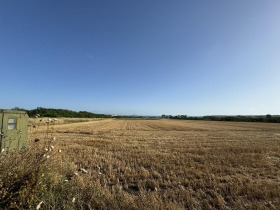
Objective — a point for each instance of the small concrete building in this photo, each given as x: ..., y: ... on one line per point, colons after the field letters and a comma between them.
x: 13, y: 130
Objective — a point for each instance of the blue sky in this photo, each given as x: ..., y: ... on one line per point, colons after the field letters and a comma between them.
x: 148, y: 57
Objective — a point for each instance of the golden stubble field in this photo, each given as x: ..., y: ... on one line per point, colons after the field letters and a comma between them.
x: 154, y: 164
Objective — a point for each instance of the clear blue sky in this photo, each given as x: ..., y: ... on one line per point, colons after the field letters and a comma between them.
x: 145, y: 57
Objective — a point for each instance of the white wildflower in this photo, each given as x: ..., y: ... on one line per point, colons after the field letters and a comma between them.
x: 73, y: 200
x: 59, y: 150
x: 3, y: 150
x: 52, y: 147
x: 46, y: 149
x: 48, y: 156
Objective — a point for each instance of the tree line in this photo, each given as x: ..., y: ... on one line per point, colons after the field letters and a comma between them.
x: 240, y: 118
x: 50, y: 112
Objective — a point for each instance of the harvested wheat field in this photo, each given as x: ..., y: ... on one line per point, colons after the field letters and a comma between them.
x: 147, y: 164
